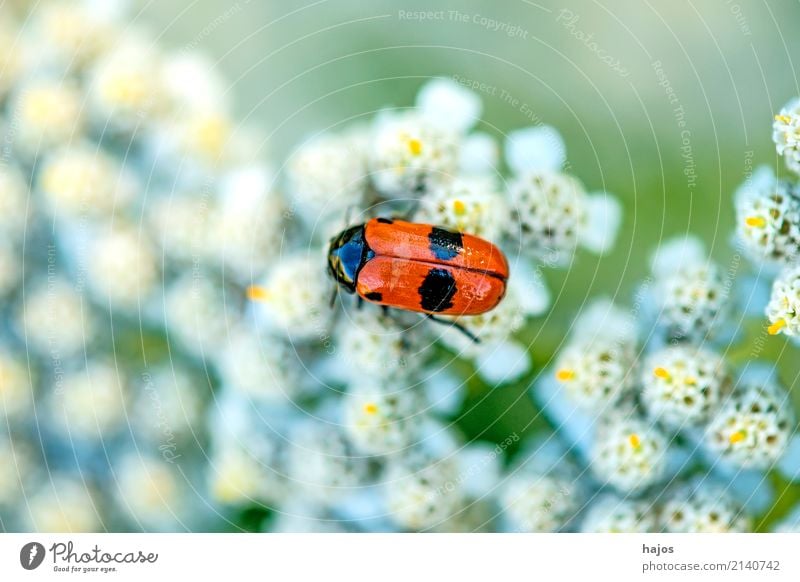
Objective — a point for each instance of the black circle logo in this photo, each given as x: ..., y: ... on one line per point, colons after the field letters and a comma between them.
x: 31, y: 555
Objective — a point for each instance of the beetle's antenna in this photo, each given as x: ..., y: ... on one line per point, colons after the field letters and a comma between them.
x: 409, y: 213
x: 334, y: 294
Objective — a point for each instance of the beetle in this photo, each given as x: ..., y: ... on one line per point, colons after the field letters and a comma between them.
x: 419, y: 267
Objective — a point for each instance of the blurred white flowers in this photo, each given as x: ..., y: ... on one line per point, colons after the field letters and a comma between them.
x: 702, y: 507
x: 610, y: 514
x: 753, y: 427
x: 540, y: 503
x: 782, y: 310
x: 683, y: 385
x: 786, y: 134
x: 768, y: 218
x: 689, y: 291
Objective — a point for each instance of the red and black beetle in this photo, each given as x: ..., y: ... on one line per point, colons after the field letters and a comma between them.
x: 419, y: 267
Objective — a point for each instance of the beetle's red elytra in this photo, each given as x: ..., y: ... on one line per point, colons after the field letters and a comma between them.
x: 419, y: 267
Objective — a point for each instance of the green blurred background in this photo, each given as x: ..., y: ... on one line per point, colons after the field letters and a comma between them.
x: 672, y: 125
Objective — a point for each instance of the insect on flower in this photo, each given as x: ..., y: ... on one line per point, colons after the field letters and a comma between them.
x: 419, y: 267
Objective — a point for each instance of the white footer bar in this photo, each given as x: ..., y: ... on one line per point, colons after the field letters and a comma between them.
x: 357, y: 557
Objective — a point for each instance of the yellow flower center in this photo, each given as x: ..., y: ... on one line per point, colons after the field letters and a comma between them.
x: 661, y: 373
x: 776, y: 327
x: 127, y: 88
x: 257, y: 293
x: 565, y: 374
x: 40, y: 104
x: 209, y: 135
x: 415, y: 146
x: 737, y: 437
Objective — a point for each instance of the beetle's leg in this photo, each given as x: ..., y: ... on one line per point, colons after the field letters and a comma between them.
x: 456, y: 325
x: 359, y: 302
x: 334, y: 293
x: 385, y: 309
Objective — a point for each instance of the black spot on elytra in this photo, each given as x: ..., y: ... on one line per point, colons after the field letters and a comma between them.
x: 445, y: 244
x: 373, y: 296
x: 385, y: 220
x: 437, y: 290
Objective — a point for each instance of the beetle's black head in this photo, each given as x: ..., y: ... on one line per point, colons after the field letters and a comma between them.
x: 348, y: 253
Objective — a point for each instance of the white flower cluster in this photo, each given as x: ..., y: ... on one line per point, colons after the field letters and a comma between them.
x: 610, y: 514
x: 541, y: 503
x: 552, y: 214
x: 768, y: 225
x: 689, y: 292
x: 784, y: 303
x: 786, y: 134
x: 754, y: 425
x: 594, y: 368
x: 644, y: 397
x: 684, y: 385
x: 768, y: 218
x: 702, y: 507
x: 630, y: 453
x: 131, y: 210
